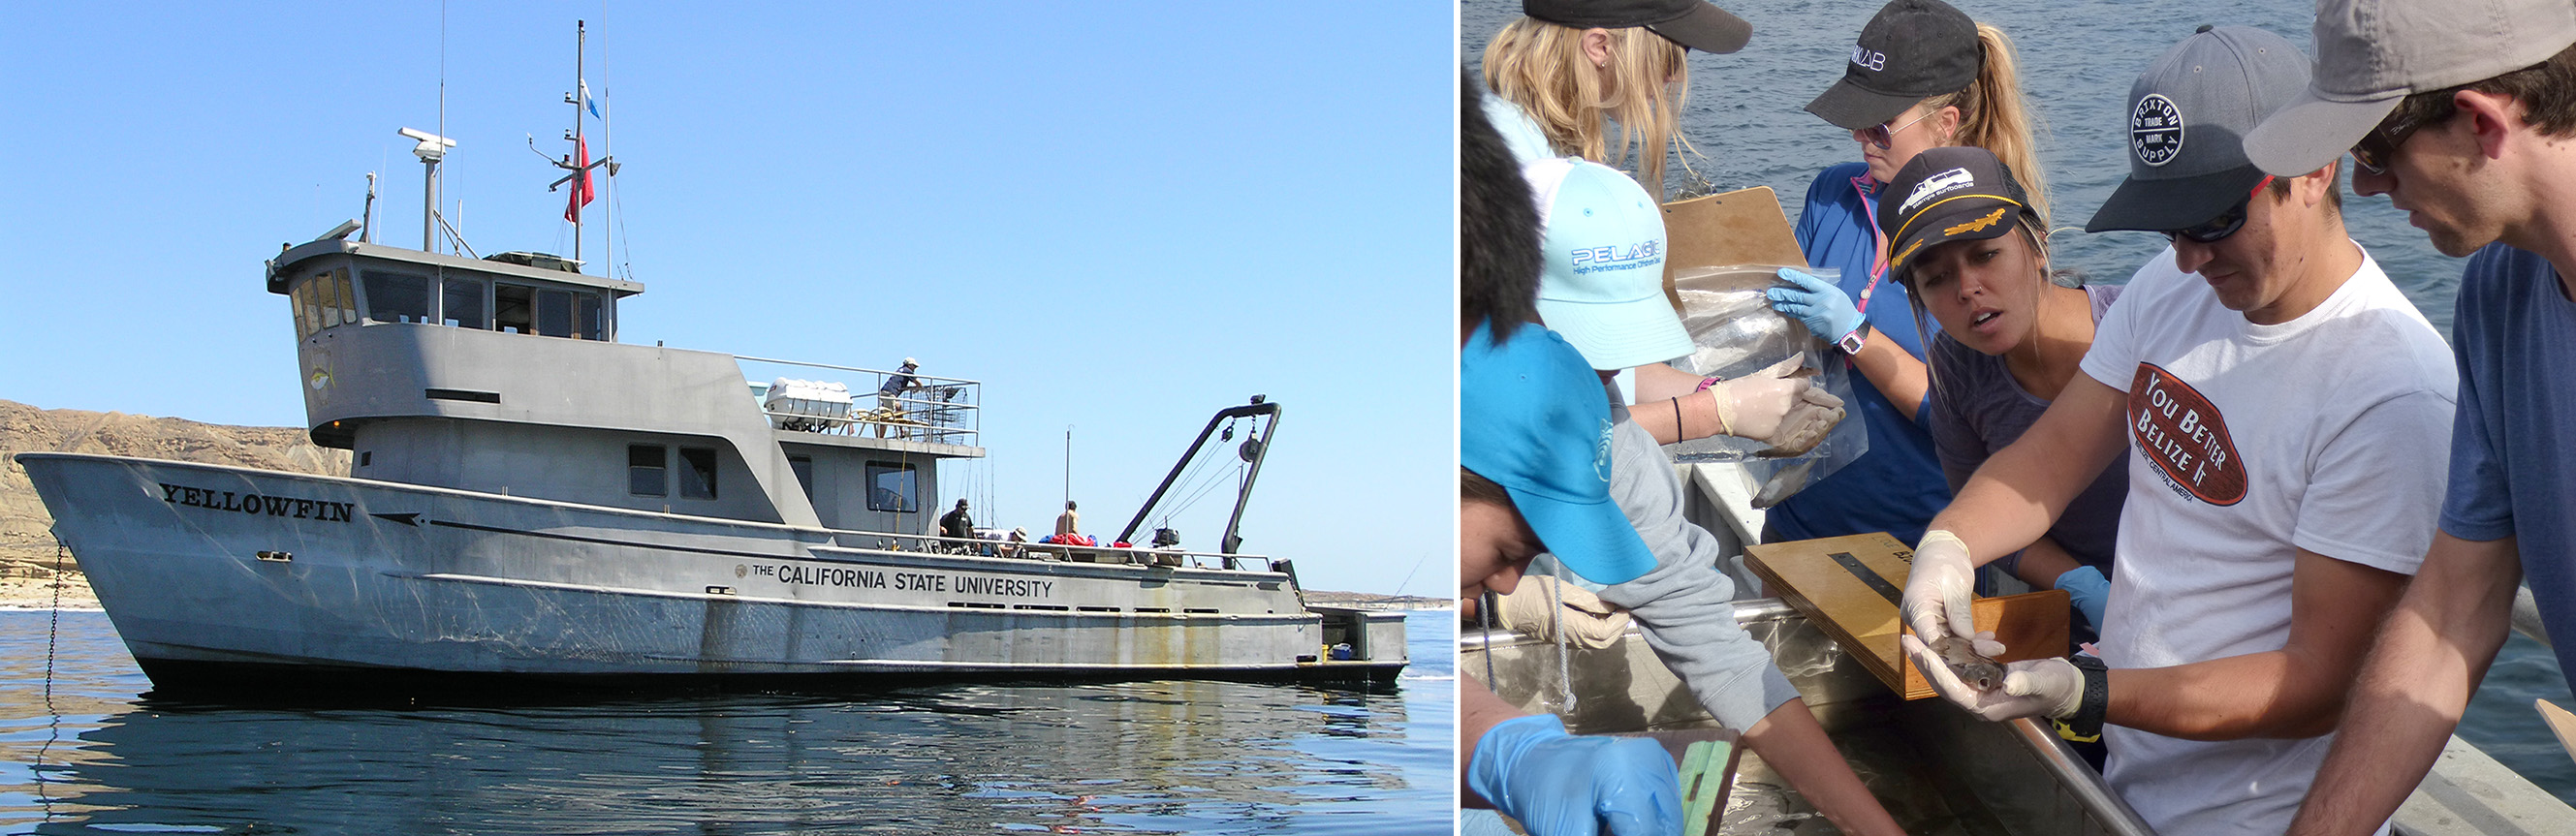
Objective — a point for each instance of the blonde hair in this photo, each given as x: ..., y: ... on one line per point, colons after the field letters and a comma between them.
x: 1542, y: 67
x: 1994, y: 116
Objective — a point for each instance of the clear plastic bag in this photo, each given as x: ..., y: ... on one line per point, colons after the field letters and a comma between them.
x: 1736, y: 332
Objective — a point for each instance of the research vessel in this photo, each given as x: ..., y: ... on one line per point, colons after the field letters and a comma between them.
x: 527, y: 496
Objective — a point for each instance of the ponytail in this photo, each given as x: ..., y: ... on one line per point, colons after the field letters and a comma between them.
x: 1994, y: 116
x: 1542, y: 68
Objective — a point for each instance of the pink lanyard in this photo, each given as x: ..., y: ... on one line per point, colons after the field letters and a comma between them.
x: 1878, y: 257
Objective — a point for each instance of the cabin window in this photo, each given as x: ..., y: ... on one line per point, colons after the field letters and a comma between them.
x: 461, y: 303
x: 592, y: 320
x: 644, y: 466
x: 513, y: 308
x: 341, y: 307
x: 323, y: 301
x: 296, y: 301
x: 554, y: 313
x: 697, y: 473
x: 893, y: 487
x: 804, y: 467
x: 397, y: 297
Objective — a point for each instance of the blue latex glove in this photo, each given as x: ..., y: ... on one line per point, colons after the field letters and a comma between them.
x: 1556, y: 784
x: 2089, y: 590
x: 1824, y: 308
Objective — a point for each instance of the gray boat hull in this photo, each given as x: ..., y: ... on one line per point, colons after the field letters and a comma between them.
x: 217, y: 573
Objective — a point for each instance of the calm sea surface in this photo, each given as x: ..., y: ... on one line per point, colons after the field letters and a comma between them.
x: 1142, y: 757
x: 1745, y: 113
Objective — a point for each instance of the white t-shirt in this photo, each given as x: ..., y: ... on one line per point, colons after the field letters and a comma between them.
x: 2328, y: 433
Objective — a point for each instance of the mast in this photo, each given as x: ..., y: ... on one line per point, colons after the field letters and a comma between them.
x: 578, y: 168
x: 581, y: 90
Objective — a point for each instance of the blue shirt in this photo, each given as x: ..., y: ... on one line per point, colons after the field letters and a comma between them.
x: 1897, y: 486
x: 2513, y: 459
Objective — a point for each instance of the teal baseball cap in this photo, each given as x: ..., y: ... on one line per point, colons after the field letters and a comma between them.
x: 1532, y: 418
x: 1602, y: 285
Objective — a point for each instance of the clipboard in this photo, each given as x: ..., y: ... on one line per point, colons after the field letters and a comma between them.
x: 1745, y: 226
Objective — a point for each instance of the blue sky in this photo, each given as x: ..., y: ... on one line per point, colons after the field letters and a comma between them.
x: 1119, y: 217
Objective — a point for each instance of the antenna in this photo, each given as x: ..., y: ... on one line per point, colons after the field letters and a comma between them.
x: 432, y: 148
x: 369, y: 216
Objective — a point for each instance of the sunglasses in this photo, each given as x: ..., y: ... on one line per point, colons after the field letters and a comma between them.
x: 2375, y: 148
x: 2227, y: 223
x: 1883, y: 136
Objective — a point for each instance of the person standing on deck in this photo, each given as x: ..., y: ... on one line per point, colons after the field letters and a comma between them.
x: 892, y: 394
x: 2462, y: 112
x: 2280, y: 404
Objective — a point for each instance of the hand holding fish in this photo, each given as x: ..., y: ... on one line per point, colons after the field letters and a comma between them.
x: 2035, y: 688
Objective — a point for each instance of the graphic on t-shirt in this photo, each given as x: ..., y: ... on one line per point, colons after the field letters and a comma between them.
x: 2181, y: 432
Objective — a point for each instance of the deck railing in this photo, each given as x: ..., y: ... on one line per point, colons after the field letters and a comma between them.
x: 980, y: 547
x: 939, y: 410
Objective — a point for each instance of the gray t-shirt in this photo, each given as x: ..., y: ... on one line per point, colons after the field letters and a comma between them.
x: 1685, y: 605
x: 1977, y: 409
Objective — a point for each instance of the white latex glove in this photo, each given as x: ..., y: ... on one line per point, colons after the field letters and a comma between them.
x: 1938, y: 588
x: 1543, y: 606
x: 2035, y: 688
x: 1775, y: 406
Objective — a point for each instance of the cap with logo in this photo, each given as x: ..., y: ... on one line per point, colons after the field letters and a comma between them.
x: 2371, y: 53
x: 1948, y: 194
x: 1602, y: 284
x: 2188, y: 117
x: 1912, y: 50
x: 1695, y: 24
x: 1532, y: 418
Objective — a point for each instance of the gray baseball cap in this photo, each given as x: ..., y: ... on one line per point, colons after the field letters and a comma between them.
x: 2371, y: 53
x: 2188, y: 116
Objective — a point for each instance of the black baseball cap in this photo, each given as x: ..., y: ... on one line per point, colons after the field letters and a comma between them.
x: 1948, y: 194
x: 2189, y: 114
x: 1911, y: 51
x: 1695, y: 24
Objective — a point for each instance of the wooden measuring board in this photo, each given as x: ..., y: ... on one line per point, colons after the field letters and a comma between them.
x: 1745, y: 226
x: 1849, y: 587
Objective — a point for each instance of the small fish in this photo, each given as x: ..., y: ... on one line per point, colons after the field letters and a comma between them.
x: 1976, y: 670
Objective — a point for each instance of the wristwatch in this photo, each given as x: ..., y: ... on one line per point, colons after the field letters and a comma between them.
x: 1851, y: 343
x: 2086, y: 725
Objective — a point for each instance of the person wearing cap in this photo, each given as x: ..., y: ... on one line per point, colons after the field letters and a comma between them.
x: 1922, y: 75
x: 1601, y: 287
x: 1972, y: 254
x: 2277, y: 399
x: 957, y: 524
x: 891, y: 394
x: 1569, y: 66
x: 1533, y: 440
x: 2461, y: 112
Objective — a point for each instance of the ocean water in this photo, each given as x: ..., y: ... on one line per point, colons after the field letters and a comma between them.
x: 81, y: 752
x: 1745, y: 114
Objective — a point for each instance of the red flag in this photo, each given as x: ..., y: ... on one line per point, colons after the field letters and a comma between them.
x: 581, y: 193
